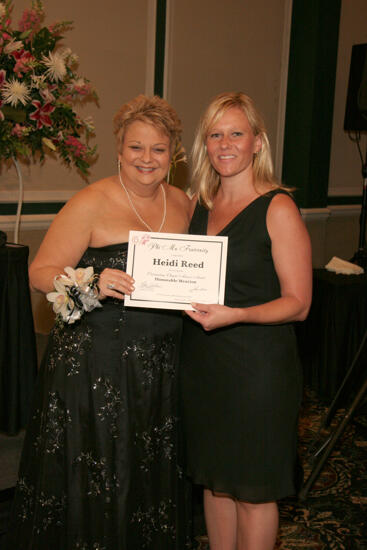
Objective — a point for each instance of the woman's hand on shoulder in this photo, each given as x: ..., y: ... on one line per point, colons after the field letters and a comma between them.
x: 212, y: 316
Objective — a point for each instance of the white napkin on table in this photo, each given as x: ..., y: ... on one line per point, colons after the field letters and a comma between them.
x: 342, y: 266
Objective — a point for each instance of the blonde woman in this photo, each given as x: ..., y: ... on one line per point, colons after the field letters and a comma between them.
x: 241, y: 378
x: 100, y: 466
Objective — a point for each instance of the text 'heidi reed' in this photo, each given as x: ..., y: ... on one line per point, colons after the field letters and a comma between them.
x: 178, y: 263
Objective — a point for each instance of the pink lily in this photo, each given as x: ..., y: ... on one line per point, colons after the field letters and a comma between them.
x: 22, y: 62
x: 47, y: 94
x: 41, y: 114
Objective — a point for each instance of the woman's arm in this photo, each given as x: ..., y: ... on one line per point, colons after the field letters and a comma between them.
x: 66, y: 240
x: 291, y: 252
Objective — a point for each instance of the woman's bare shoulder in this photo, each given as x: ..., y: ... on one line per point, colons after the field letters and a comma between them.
x: 93, y: 193
x: 101, y: 187
x: 179, y: 197
x: 283, y: 202
x: 178, y: 193
x: 283, y: 216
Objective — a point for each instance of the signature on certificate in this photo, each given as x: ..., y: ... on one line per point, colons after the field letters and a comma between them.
x: 197, y: 289
x: 148, y: 286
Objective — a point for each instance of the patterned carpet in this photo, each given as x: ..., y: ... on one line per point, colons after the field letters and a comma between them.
x: 334, y: 514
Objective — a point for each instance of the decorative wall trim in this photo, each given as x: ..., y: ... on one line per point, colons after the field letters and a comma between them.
x: 29, y: 222
x: 332, y: 209
x: 49, y: 195
x: 339, y: 210
x: 346, y: 191
x: 315, y: 213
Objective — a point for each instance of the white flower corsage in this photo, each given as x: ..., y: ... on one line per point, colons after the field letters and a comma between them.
x: 76, y: 293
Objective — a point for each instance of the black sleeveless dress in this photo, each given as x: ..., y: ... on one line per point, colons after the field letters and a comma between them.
x: 100, y: 468
x: 242, y: 384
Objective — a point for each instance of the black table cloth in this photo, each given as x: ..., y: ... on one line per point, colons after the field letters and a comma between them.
x: 18, y: 356
x: 333, y: 330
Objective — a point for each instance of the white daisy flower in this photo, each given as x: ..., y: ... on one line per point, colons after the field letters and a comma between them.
x: 13, y: 46
x: 15, y: 92
x: 56, y: 66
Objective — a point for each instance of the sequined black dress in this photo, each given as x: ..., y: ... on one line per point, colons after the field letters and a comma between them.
x: 100, y: 468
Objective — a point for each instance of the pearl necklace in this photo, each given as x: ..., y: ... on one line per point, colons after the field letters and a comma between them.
x: 137, y: 213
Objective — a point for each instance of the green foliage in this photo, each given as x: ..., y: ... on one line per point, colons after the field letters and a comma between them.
x: 43, y: 42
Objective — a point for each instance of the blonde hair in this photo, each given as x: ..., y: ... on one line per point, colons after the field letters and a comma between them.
x: 205, y: 180
x: 151, y: 110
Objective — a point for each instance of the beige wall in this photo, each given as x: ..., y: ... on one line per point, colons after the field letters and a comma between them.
x: 345, y: 166
x: 217, y: 46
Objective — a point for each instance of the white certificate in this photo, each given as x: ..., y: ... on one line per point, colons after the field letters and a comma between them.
x: 171, y: 270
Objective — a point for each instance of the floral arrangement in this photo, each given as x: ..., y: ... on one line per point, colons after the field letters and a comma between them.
x: 38, y: 89
x: 76, y: 293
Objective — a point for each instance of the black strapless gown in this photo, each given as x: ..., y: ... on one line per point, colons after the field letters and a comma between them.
x: 100, y: 468
x: 242, y: 384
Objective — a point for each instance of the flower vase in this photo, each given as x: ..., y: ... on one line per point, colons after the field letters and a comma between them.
x: 20, y: 200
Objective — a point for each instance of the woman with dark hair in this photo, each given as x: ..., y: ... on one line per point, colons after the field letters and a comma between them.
x: 100, y: 467
x: 241, y: 378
